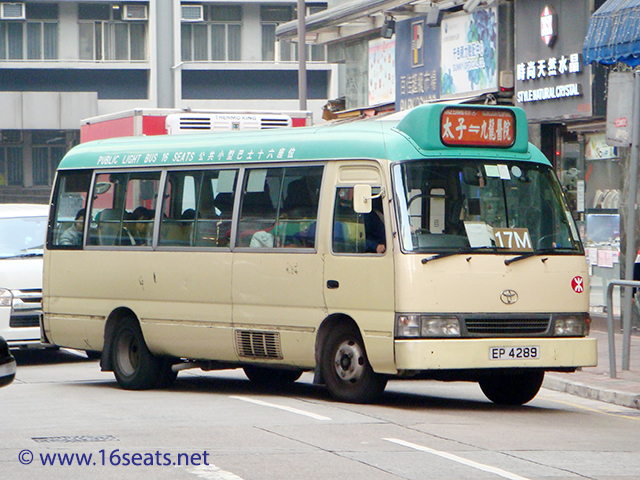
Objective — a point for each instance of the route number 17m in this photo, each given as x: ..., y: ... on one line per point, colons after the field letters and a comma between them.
x: 513, y: 239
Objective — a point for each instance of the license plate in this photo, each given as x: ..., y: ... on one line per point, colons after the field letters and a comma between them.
x: 514, y: 353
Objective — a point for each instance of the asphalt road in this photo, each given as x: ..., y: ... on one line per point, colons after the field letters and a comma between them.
x: 62, y: 418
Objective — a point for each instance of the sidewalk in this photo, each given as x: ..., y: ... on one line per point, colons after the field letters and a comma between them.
x: 595, y: 382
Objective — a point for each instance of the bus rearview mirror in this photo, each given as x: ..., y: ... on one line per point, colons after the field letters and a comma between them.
x: 362, y: 198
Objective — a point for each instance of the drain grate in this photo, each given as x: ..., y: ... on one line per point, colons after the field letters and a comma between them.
x: 75, y: 439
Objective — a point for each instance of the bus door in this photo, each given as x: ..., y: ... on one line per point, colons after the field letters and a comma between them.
x: 277, y: 271
x: 358, y: 268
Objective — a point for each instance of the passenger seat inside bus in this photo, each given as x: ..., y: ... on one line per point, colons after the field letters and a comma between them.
x: 110, y: 230
x: 258, y: 215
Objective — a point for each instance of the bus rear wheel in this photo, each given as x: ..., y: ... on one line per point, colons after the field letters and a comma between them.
x: 134, y: 366
x: 512, y: 388
x: 346, y: 370
x: 271, y: 376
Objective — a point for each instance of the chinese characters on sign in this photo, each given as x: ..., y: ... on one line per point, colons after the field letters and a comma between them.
x: 194, y: 157
x: 549, y: 68
x: 476, y: 127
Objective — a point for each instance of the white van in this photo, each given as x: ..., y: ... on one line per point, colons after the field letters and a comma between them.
x: 22, y: 233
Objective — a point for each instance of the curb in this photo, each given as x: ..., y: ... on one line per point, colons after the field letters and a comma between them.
x: 616, y: 397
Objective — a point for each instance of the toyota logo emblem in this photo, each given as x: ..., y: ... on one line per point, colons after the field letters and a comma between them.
x: 509, y: 297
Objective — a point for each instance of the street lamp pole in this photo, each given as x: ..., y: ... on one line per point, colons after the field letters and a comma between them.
x: 302, y: 55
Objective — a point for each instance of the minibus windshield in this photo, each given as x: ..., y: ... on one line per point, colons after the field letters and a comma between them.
x: 482, y: 206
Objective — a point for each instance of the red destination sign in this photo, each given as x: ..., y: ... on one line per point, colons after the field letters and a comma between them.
x: 477, y: 127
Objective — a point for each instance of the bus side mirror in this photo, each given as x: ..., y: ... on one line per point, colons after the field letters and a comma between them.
x: 362, y: 198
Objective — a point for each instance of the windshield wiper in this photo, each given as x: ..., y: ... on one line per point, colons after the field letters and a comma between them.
x: 438, y: 256
x: 543, y: 251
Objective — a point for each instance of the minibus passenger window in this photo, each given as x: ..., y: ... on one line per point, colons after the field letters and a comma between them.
x: 197, y: 208
x: 280, y: 207
x: 72, y: 191
x: 123, y: 209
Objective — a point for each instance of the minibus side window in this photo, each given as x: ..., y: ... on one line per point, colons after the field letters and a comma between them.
x: 354, y: 232
x: 197, y: 208
x: 70, y: 200
x: 123, y: 209
x: 280, y: 207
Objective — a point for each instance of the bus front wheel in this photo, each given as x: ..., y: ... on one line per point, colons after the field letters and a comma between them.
x: 512, y: 388
x: 134, y: 366
x: 346, y: 369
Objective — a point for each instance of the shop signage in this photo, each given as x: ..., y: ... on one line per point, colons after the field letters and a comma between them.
x: 552, y: 82
x: 619, y: 109
x: 382, y: 71
x: 417, y: 74
x: 548, y: 25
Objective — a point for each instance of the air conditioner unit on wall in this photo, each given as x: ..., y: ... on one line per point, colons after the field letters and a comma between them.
x: 192, y: 13
x: 134, y: 12
x: 12, y: 11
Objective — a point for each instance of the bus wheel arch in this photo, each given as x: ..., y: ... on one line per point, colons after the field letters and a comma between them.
x: 342, y: 362
x: 106, y: 360
x: 128, y: 356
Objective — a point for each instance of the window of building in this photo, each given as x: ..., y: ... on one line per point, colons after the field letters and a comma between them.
x: 271, y: 16
x: 11, y: 165
x: 217, y: 38
x: 284, y: 51
x: 35, y: 38
x: 105, y: 36
x: 47, y: 151
x: 11, y: 145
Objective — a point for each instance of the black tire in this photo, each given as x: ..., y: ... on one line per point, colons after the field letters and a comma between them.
x: 271, y: 376
x: 134, y: 366
x: 346, y: 370
x: 512, y: 388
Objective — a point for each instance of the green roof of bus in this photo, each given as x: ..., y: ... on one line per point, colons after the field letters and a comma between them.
x: 413, y: 135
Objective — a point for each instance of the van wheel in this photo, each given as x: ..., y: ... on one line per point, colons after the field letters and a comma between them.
x: 134, y: 366
x: 271, y: 376
x: 512, y: 388
x: 346, y: 369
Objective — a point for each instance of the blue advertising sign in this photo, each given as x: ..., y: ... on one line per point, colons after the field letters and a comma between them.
x: 417, y: 63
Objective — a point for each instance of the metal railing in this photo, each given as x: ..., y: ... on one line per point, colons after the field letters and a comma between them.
x: 626, y: 328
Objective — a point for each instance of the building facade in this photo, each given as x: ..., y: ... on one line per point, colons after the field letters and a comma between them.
x: 62, y: 61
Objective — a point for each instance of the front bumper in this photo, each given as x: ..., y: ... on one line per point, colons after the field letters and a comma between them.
x: 472, y: 354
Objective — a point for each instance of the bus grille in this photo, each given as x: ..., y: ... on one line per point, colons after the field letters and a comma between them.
x: 259, y: 344
x: 506, y: 326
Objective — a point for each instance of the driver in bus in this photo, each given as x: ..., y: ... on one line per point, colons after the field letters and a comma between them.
x: 73, y: 234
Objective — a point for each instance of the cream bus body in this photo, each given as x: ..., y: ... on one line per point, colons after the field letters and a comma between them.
x: 276, y: 307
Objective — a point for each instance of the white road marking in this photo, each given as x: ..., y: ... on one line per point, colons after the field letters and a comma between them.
x: 282, y: 407
x: 211, y: 472
x: 455, y: 458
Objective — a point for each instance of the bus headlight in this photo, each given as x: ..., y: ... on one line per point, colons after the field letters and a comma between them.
x: 576, y: 325
x: 430, y: 326
x: 6, y: 297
